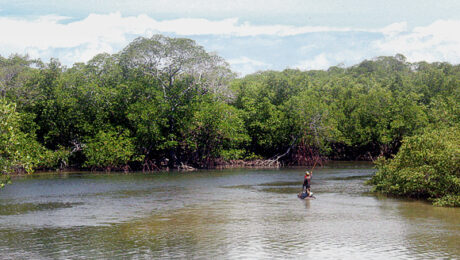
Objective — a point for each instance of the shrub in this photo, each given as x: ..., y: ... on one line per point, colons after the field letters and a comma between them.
x: 109, y: 150
x: 427, y: 166
x: 19, y: 151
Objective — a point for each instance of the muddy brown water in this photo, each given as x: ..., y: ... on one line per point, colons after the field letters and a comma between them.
x: 226, y: 214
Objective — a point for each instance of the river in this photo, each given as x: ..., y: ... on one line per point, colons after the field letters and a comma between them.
x: 235, y: 213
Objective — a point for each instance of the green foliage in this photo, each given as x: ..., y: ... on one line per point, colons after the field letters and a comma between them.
x: 260, y: 97
x: 177, y: 103
x: 110, y: 149
x: 20, y: 151
x: 365, y: 109
x: 217, y: 130
x: 426, y: 166
x: 310, y: 118
x: 4, y: 180
x: 147, y: 121
x: 233, y: 154
x: 17, y: 150
x: 447, y: 201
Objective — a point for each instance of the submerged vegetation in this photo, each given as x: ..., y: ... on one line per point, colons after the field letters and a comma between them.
x: 167, y: 103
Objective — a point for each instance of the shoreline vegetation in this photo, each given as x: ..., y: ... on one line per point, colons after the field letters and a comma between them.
x: 218, y: 164
x: 167, y: 103
x: 427, y: 166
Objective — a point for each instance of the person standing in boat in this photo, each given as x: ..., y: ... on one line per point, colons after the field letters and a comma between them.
x: 306, y: 182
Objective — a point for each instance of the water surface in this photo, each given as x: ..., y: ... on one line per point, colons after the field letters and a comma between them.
x: 219, y: 214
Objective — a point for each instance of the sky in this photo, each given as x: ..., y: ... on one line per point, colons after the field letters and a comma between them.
x: 251, y: 35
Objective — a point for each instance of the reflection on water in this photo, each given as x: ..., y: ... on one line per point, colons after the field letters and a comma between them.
x: 219, y: 214
x: 15, y: 209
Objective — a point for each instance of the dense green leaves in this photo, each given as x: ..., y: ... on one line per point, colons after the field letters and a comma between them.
x: 20, y: 151
x: 216, y: 131
x: 168, y: 101
x: 109, y: 149
x: 347, y: 113
x: 11, y: 139
x: 426, y: 166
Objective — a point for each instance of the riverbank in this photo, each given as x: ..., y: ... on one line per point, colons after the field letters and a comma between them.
x: 238, y: 165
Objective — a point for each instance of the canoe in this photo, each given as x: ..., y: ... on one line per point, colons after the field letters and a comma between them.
x: 304, y: 196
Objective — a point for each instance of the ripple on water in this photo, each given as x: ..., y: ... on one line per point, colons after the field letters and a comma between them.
x: 232, y: 214
x: 22, y: 208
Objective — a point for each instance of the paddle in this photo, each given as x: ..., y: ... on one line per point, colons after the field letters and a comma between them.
x: 314, y: 165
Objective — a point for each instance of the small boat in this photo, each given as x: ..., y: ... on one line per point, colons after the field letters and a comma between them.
x: 305, y: 196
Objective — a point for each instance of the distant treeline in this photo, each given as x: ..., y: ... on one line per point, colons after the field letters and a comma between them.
x: 166, y: 102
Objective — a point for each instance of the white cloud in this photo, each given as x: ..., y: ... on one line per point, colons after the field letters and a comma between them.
x: 111, y: 27
x: 246, y: 65
x: 323, y: 61
x: 319, y: 62
x: 106, y: 32
x: 439, y: 41
x: 394, y: 28
x: 76, y: 41
x: 246, y: 60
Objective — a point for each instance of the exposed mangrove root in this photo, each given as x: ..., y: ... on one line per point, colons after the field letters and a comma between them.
x: 306, y: 156
x: 185, y: 167
x: 259, y: 163
x: 149, y: 166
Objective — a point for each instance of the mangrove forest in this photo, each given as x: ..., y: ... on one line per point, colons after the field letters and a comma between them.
x: 167, y: 103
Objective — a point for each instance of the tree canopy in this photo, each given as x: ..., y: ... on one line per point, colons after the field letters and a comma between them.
x: 167, y: 102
